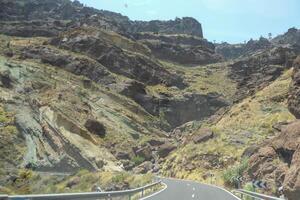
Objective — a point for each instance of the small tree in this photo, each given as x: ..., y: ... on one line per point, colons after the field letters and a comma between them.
x: 270, y: 36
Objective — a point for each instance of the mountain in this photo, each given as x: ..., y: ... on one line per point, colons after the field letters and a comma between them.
x: 87, y: 91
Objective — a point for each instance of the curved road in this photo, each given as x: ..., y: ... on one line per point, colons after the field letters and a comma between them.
x: 189, y: 190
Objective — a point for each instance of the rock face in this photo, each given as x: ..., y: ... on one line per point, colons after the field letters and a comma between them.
x: 259, y: 70
x: 186, y: 25
x: 183, y: 49
x: 292, y: 36
x: 178, y: 111
x: 129, y: 64
x: 165, y: 149
x: 285, y: 150
x: 49, y: 11
x: 294, y: 97
x: 232, y: 51
x: 277, y: 160
x: 137, y: 91
x: 75, y: 64
x: 33, y: 28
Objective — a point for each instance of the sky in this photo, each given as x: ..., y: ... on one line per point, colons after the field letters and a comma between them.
x: 230, y: 21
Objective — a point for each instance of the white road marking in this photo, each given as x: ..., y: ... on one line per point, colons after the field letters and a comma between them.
x: 193, y: 189
x: 193, y: 195
x: 188, y: 184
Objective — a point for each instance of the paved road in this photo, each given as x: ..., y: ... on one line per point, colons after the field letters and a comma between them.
x: 189, y: 190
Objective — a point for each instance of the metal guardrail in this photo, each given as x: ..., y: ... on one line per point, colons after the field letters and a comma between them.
x: 82, y: 196
x: 254, y: 195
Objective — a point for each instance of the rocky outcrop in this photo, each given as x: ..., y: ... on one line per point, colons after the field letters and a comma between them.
x: 186, y: 25
x: 277, y: 161
x: 294, y: 94
x: 143, y: 168
x: 176, y: 110
x: 259, y: 70
x: 178, y: 39
x: 33, y: 28
x: 183, y: 49
x: 165, y: 149
x: 51, y: 10
x: 137, y: 91
x: 129, y: 64
x: 189, y: 107
x: 15, y: 10
x: 75, y: 64
x: 232, y: 51
x: 292, y: 36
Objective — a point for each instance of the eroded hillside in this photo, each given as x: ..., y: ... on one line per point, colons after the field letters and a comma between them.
x: 91, y: 89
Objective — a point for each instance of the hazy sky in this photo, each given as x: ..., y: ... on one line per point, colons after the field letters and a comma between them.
x: 222, y: 20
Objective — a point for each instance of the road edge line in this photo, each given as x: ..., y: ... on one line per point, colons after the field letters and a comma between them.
x: 156, y: 193
x: 205, y: 184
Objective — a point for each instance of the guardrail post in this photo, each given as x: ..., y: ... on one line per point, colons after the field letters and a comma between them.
x: 129, y: 196
x: 143, y: 192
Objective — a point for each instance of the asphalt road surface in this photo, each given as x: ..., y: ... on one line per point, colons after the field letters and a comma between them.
x: 189, y: 190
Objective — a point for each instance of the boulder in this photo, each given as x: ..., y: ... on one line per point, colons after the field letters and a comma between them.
x: 73, y: 182
x: 156, y: 142
x: 95, y: 127
x: 144, y: 152
x: 165, y: 149
x: 203, y: 135
x: 249, y: 151
x: 6, y: 79
x: 121, y: 155
x: 127, y: 165
x: 143, y: 168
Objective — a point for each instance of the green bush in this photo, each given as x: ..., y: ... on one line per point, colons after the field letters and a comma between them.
x: 231, y: 175
x: 249, y: 187
x: 138, y: 160
x: 120, y: 178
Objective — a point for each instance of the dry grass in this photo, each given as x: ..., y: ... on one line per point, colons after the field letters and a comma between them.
x: 248, y: 122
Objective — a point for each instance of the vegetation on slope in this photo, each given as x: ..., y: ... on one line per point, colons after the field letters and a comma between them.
x: 243, y: 125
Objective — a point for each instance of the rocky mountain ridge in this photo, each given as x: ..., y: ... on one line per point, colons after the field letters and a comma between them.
x: 92, y: 89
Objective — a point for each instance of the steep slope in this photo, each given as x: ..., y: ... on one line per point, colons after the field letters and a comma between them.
x: 276, y: 160
x: 107, y: 94
x: 243, y: 125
